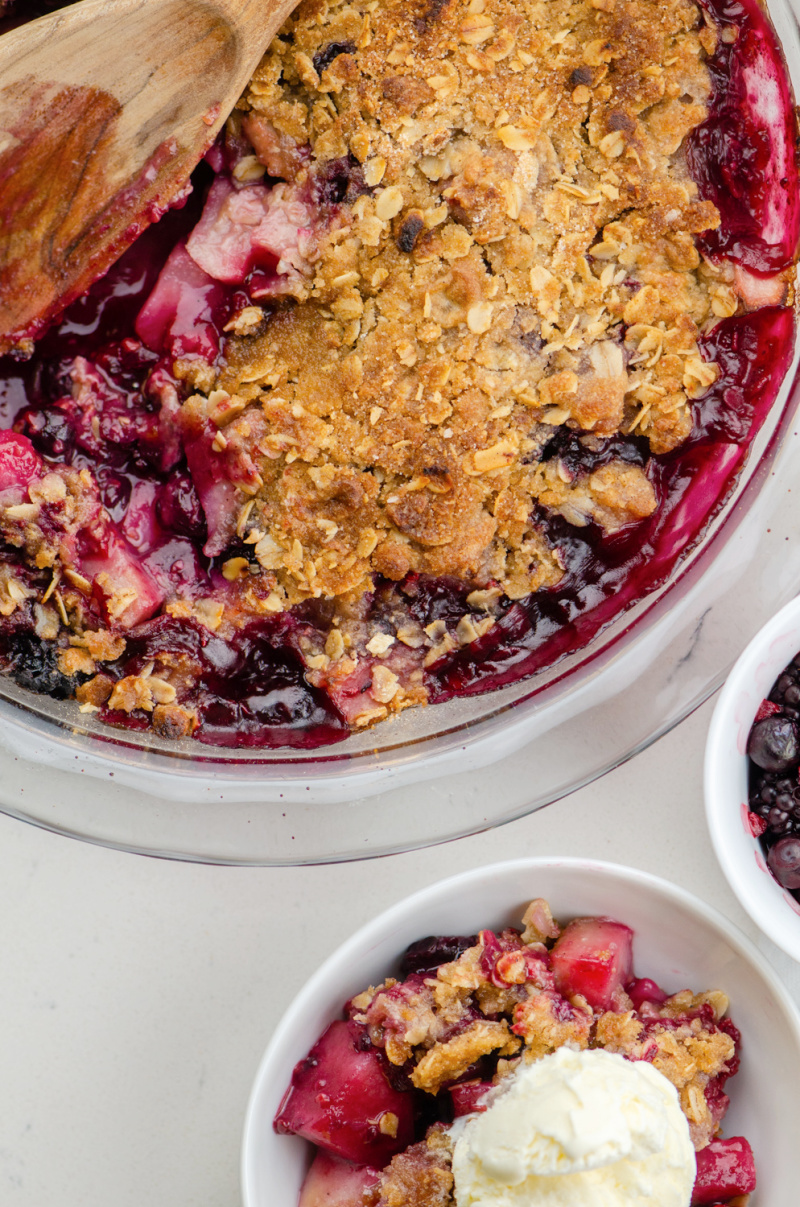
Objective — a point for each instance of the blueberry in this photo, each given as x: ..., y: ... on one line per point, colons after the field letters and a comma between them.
x: 428, y: 954
x: 773, y: 744
x: 784, y: 862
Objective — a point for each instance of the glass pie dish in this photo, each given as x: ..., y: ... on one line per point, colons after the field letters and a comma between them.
x: 573, y: 720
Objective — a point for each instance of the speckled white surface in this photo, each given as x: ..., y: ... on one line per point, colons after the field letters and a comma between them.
x: 137, y: 996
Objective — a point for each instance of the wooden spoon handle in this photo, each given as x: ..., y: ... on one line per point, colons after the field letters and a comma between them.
x: 105, y: 109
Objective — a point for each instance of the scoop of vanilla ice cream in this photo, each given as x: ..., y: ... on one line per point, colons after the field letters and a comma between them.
x: 577, y: 1129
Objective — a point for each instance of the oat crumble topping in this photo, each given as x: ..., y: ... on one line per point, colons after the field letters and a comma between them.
x: 518, y: 255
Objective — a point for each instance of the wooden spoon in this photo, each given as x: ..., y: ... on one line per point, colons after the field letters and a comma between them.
x: 105, y: 109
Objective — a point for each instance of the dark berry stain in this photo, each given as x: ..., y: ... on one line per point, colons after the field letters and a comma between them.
x: 339, y: 181
x: 323, y: 58
x: 409, y: 232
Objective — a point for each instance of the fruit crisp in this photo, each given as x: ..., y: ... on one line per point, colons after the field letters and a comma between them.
x: 463, y: 304
x: 412, y: 1055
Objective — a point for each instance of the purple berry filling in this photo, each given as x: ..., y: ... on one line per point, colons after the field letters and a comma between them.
x: 17, y: 12
x: 743, y: 157
x: 118, y: 343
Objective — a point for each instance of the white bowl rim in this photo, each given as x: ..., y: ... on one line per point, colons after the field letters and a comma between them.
x: 751, y: 885
x: 741, y: 944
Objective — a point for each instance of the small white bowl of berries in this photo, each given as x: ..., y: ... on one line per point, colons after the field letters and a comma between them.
x: 752, y: 779
x: 538, y: 981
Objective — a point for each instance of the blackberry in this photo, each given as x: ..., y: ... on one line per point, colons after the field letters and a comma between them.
x: 34, y: 665
x: 779, y: 821
x: 773, y: 747
x: 782, y: 686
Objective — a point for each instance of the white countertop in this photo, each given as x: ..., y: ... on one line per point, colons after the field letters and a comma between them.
x: 137, y: 995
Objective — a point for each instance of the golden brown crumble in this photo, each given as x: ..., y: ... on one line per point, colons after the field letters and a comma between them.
x: 402, y: 1023
x: 526, y: 196
x: 537, y: 1021
x: 421, y: 1176
x: 63, y: 503
x: 689, y: 1056
x: 94, y: 692
x: 538, y: 923
x: 447, y: 1061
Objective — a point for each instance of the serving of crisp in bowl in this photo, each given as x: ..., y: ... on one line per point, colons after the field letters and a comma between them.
x: 405, y: 1025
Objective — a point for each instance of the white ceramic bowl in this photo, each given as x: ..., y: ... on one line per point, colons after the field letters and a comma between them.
x: 771, y: 907
x: 680, y: 942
